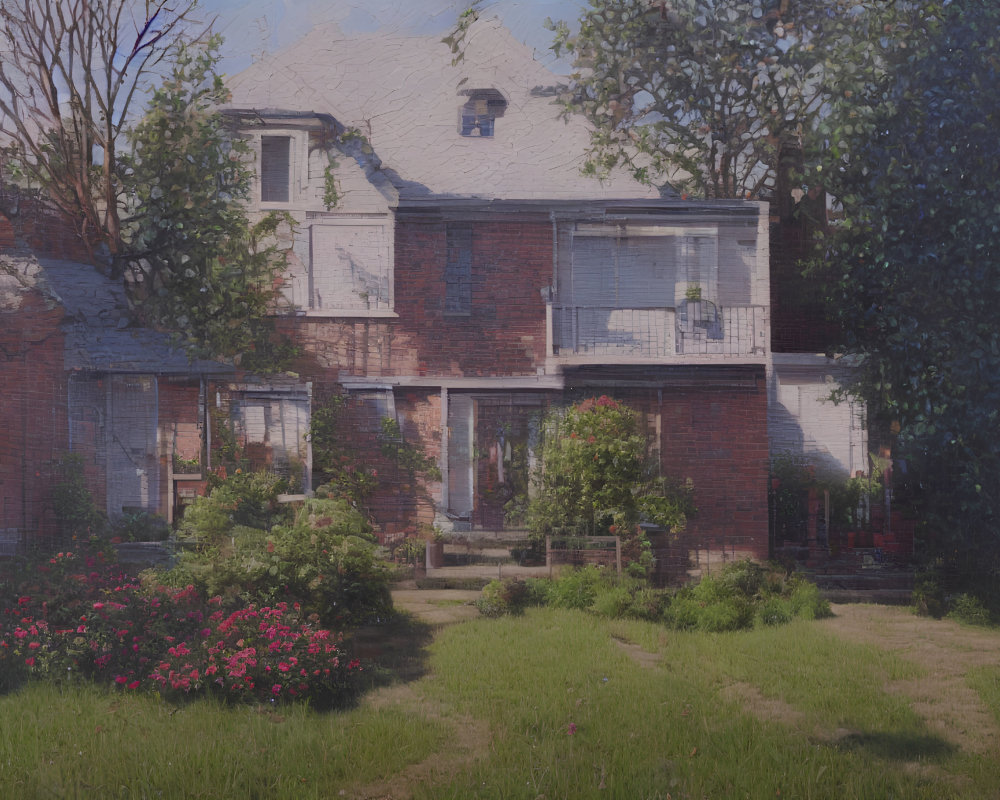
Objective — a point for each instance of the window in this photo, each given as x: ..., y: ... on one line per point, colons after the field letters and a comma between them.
x: 275, y: 168
x: 480, y: 112
x: 458, y: 270
x: 351, y: 266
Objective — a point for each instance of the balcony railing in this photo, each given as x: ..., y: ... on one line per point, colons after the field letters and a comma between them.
x: 697, y: 328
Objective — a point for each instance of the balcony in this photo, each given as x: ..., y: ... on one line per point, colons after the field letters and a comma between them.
x: 694, y: 331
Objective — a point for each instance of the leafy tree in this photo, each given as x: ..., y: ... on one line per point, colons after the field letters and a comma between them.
x: 70, y: 72
x: 595, y: 478
x: 704, y: 94
x: 912, y: 267
x: 196, y: 263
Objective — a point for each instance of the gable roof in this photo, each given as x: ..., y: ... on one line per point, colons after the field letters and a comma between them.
x: 404, y: 95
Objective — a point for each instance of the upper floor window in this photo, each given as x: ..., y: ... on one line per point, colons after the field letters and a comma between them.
x: 275, y: 168
x: 458, y: 270
x: 480, y: 112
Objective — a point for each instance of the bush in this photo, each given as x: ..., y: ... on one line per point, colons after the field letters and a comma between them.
x: 503, y: 597
x: 78, y: 616
x: 775, y: 611
x: 744, y: 593
x: 805, y: 601
x: 969, y: 610
x: 576, y: 588
x: 594, y: 478
x: 326, y: 559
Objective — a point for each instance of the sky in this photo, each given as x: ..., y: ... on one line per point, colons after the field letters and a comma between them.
x: 253, y: 28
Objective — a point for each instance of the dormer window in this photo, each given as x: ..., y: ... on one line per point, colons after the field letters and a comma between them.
x: 480, y: 112
x: 275, y: 168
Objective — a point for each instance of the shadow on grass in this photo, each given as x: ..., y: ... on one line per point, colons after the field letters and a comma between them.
x: 394, y: 651
x: 898, y: 746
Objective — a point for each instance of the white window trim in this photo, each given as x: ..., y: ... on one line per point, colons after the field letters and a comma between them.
x: 298, y: 178
x: 388, y: 222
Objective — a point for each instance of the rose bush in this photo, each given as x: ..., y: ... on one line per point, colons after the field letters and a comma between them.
x: 79, y: 616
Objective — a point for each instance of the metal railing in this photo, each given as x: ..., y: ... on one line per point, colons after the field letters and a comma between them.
x: 658, y: 333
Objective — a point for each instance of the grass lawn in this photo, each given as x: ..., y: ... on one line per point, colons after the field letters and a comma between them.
x: 558, y: 704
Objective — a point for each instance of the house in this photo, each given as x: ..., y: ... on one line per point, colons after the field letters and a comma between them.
x: 79, y: 377
x: 452, y: 269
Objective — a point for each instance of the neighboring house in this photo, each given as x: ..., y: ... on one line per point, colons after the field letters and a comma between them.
x: 78, y: 377
x: 452, y: 269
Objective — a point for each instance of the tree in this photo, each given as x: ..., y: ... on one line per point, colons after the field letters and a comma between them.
x: 912, y: 269
x: 595, y: 478
x: 70, y: 72
x: 703, y: 94
x: 195, y: 262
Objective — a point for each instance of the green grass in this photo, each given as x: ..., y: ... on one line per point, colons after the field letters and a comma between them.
x: 818, y: 723
x: 84, y: 742
x: 986, y: 682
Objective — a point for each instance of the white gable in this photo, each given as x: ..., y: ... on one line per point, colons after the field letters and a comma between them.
x: 404, y: 95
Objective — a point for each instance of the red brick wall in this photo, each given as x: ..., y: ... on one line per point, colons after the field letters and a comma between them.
x: 43, y: 229
x: 503, y: 335
x: 33, y: 400
x: 716, y: 435
x: 505, y: 332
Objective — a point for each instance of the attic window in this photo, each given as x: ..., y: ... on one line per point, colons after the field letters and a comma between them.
x: 480, y: 112
x: 275, y: 168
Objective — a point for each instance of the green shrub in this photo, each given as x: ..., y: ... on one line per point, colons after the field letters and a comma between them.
x: 244, y: 498
x: 725, y: 615
x: 326, y: 559
x: 928, y: 596
x: 576, y: 588
x: 76, y: 513
x: 683, y: 611
x: 503, y: 597
x: 775, y: 611
x: 806, y: 602
x: 139, y: 526
x: 613, y: 602
x: 969, y: 610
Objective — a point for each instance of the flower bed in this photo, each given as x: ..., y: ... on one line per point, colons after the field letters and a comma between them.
x: 79, y: 616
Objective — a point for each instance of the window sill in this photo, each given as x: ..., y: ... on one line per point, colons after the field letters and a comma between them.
x: 352, y: 313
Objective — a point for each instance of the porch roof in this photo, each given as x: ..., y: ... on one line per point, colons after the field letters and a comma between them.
x: 100, y: 336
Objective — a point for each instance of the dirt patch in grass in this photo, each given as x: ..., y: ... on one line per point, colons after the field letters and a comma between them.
x: 641, y: 657
x: 400, y: 648
x: 437, y: 606
x: 470, y: 741
x: 946, y: 651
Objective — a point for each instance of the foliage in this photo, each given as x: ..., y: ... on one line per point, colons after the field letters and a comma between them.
x: 743, y: 593
x: 72, y: 503
x: 243, y: 498
x: 139, y: 526
x: 967, y: 609
x: 334, y: 463
x: 911, y: 269
x: 68, y: 82
x: 78, y: 616
x: 407, y: 456
x: 594, y: 478
x: 197, y: 265
x: 793, y: 477
x: 500, y: 597
x: 703, y: 93
x: 325, y: 559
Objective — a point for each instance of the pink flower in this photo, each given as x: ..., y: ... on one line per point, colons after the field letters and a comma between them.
x: 98, y: 606
x: 571, y: 729
x: 134, y: 685
x: 120, y: 679
x: 30, y: 661
x: 276, y: 689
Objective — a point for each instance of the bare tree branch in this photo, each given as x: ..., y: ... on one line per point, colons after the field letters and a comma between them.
x: 70, y: 74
